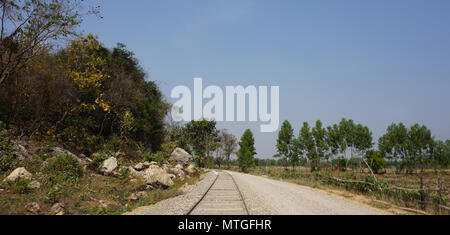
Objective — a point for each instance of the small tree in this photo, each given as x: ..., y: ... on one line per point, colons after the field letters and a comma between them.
x: 286, y: 146
x: 393, y: 144
x: 203, y: 138
x: 246, y: 151
x: 375, y: 160
x: 228, y: 145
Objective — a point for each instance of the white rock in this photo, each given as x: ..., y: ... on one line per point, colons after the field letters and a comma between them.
x: 154, y: 176
x: 191, y: 169
x: 33, y: 208
x: 34, y: 185
x: 180, y: 156
x: 19, y: 173
x: 109, y: 166
x: 58, y: 209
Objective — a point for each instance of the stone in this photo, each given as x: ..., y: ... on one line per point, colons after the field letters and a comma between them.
x: 154, y: 176
x: 141, y: 166
x: 33, y: 208
x: 177, y: 171
x: 61, y: 151
x: 58, y: 209
x: 19, y: 173
x: 34, y: 185
x: 20, y: 152
x: 109, y: 166
x: 180, y: 156
x: 191, y: 169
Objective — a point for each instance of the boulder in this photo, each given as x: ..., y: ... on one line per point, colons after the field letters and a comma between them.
x: 154, y: 176
x: 19, y: 173
x: 142, y: 166
x: 33, y: 208
x: 180, y: 156
x: 109, y: 166
x: 34, y: 185
x: 58, y: 209
x: 191, y: 169
x: 177, y: 171
x: 20, y: 152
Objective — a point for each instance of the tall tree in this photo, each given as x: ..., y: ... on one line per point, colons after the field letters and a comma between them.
x: 246, y: 151
x: 320, y: 144
x: 285, y: 144
x: 203, y: 138
x: 305, y: 144
x: 228, y: 144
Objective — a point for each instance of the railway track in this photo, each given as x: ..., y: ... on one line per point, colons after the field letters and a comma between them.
x: 222, y: 198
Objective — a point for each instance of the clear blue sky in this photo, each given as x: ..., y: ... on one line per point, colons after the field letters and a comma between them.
x: 376, y: 62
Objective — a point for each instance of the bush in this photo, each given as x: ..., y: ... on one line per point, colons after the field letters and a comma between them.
x: 64, y: 167
x: 159, y: 157
x: 6, y: 159
x: 20, y: 186
x: 376, y: 161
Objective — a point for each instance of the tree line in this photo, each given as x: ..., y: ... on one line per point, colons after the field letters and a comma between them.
x: 351, y: 144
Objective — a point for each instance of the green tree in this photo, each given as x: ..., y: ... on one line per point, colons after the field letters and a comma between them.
x: 306, y: 144
x: 203, y: 138
x: 441, y: 154
x: 246, y: 151
x: 393, y: 144
x: 286, y: 146
x: 321, y: 148
x: 375, y: 160
x: 27, y: 27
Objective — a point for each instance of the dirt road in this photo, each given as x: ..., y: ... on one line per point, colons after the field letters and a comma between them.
x: 267, y: 196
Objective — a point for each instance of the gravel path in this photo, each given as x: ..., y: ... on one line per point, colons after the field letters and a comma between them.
x: 264, y: 197
x: 181, y: 205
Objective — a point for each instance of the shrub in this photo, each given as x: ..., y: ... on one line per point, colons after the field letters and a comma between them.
x: 6, y: 159
x: 64, y: 167
x: 376, y: 161
x: 159, y: 157
x: 20, y: 186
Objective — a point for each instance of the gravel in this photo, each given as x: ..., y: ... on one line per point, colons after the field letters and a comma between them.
x: 265, y: 197
x: 182, y: 204
x: 270, y: 197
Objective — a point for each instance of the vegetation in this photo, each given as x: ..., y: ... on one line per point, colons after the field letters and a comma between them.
x: 246, y: 151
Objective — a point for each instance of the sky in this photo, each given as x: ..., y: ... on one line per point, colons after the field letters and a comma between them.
x: 376, y: 62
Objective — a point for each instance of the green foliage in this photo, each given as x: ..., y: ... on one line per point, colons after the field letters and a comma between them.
x: 20, y: 186
x: 6, y: 158
x: 202, y: 137
x: 340, y: 163
x: 159, y: 157
x: 246, y: 151
x: 286, y: 146
x: 375, y: 160
x: 64, y: 168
